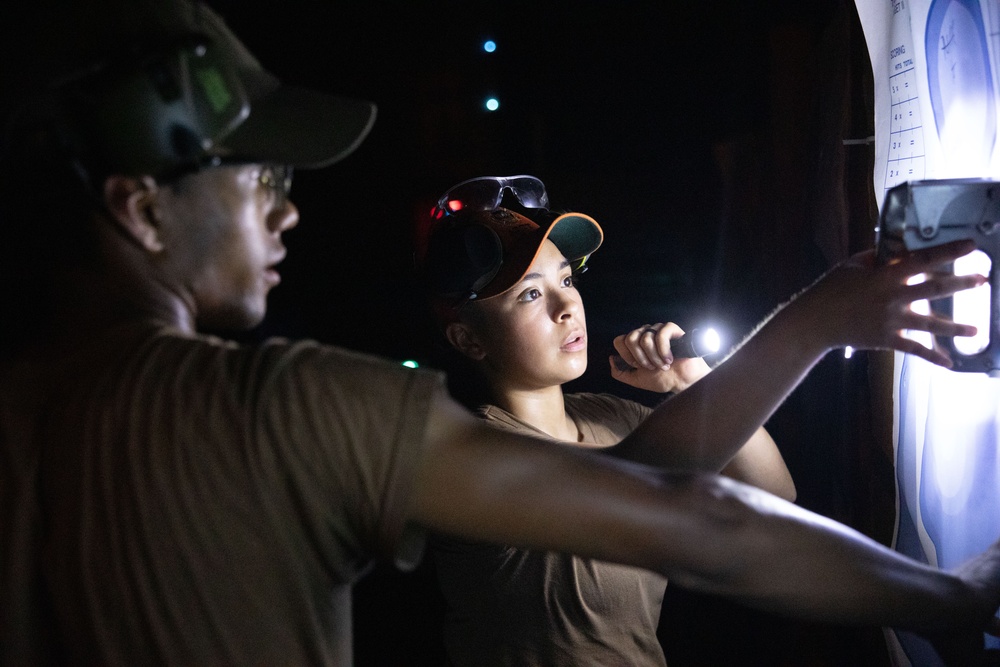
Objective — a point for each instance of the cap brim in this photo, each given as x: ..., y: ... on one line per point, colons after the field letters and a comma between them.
x: 576, y: 235
x: 302, y: 128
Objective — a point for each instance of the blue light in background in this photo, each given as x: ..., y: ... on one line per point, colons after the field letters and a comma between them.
x: 489, y: 46
x: 492, y: 104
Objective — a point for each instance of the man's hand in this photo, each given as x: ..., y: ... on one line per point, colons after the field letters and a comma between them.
x: 965, y: 647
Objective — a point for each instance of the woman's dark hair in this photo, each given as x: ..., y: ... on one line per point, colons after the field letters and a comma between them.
x: 466, y: 382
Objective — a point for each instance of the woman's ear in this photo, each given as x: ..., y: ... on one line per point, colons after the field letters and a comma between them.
x: 464, y: 339
x: 130, y: 201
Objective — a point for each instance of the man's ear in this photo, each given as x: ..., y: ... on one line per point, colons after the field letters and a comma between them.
x: 130, y: 201
x: 463, y: 339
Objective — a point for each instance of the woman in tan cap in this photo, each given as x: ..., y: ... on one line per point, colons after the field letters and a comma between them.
x: 503, y: 287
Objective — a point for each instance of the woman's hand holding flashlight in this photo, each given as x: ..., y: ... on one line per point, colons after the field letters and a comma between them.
x: 645, y: 360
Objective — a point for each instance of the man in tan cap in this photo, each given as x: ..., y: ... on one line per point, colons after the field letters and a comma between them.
x: 169, y: 496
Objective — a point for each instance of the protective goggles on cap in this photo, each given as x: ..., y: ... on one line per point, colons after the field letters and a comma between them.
x: 486, y: 192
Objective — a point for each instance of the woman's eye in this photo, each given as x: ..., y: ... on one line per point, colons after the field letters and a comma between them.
x: 531, y: 294
x: 572, y: 280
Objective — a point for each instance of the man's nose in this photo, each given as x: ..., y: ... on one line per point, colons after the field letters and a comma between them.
x: 283, y: 217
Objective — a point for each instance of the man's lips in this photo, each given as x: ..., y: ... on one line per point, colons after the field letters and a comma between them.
x: 271, y: 274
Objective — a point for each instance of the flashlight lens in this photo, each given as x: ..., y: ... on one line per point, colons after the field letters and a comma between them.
x: 711, y: 341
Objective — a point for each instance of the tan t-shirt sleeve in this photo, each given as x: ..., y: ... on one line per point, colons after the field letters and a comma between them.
x: 349, y: 430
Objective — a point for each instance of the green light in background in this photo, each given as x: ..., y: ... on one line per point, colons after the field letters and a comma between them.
x: 410, y: 363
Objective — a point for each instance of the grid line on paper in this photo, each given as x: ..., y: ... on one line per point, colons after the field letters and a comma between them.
x: 906, y: 145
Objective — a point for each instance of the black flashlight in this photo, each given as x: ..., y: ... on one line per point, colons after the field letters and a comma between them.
x: 694, y: 343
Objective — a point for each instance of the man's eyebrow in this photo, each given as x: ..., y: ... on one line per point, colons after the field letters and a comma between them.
x: 535, y: 274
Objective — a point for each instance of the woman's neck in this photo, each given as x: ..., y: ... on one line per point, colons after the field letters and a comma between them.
x: 545, y: 409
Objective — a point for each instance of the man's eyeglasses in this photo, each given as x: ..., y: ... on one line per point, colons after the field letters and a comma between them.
x: 486, y: 192
x: 276, y: 180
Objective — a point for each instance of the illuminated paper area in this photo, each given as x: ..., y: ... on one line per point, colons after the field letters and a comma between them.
x: 935, y: 65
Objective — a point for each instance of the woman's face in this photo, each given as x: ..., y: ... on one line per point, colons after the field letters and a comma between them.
x: 534, y: 335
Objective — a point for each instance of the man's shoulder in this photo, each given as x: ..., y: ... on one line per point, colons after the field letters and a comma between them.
x: 278, y: 358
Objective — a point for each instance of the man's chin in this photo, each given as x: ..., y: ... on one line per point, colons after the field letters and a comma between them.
x: 233, y: 318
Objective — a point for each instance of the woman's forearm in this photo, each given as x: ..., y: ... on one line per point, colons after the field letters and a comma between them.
x: 858, y: 303
x: 703, y: 427
x: 759, y: 463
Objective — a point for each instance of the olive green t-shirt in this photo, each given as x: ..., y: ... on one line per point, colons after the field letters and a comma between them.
x: 169, y: 498
x: 509, y: 606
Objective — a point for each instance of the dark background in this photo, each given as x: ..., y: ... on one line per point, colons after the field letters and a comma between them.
x: 705, y: 137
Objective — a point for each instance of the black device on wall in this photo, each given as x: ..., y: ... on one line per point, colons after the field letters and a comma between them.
x: 928, y: 213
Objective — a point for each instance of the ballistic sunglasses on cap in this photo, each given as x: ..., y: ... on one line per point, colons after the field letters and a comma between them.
x: 486, y: 192
x: 474, y: 252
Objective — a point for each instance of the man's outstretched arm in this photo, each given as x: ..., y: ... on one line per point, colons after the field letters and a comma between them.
x: 703, y: 531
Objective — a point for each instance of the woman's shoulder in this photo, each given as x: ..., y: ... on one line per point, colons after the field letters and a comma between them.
x: 621, y: 415
x: 504, y: 419
x: 600, y: 401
